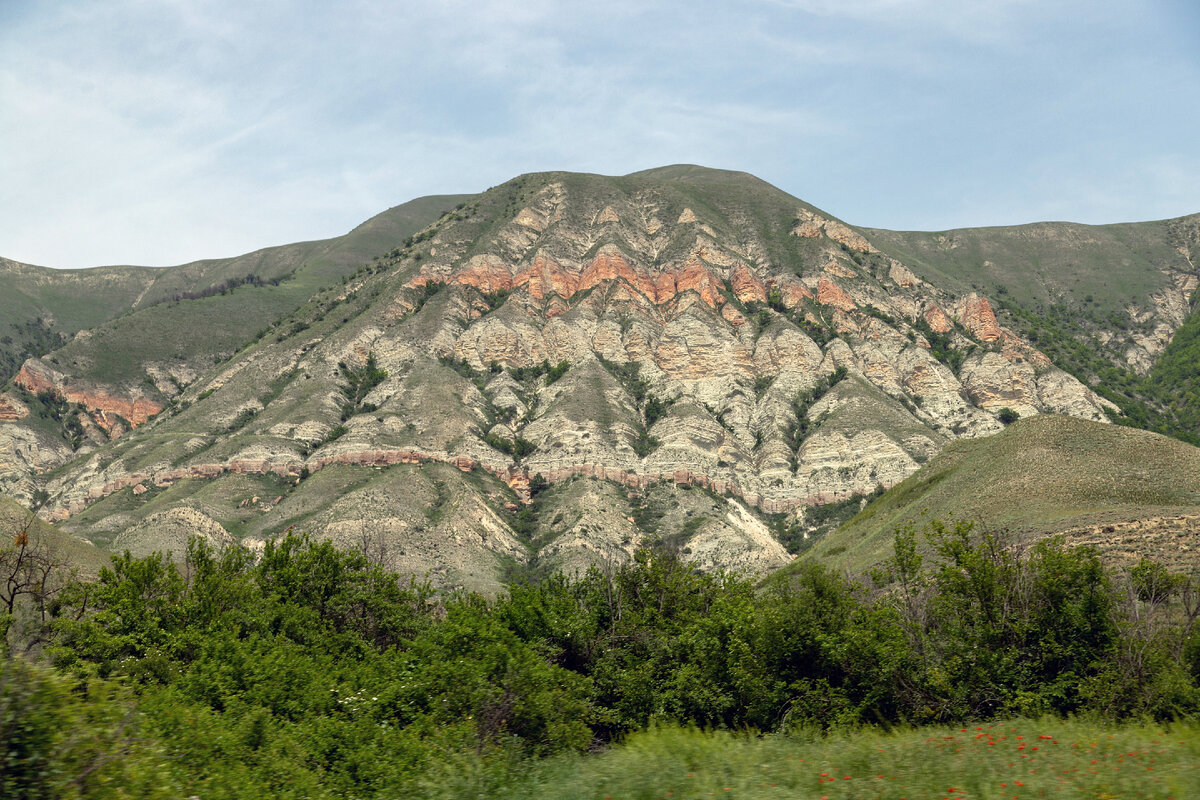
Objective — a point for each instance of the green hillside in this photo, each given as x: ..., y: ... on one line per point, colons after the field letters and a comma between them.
x: 71, y: 551
x: 1050, y: 263
x: 1041, y: 475
x: 134, y: 314
x: 40, y: 308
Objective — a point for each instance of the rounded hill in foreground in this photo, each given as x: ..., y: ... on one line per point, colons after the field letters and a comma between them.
x: 1090, y: 482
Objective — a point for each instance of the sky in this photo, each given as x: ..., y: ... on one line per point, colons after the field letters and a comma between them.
x: 161, y: 131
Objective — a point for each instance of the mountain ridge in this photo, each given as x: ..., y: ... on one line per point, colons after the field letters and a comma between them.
x: 681, y: 327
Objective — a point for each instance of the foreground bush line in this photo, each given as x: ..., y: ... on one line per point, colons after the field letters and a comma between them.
x: 315, y: 672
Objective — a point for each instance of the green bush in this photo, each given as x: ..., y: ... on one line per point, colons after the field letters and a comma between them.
x: 63, y: 739
x: 315, y: 672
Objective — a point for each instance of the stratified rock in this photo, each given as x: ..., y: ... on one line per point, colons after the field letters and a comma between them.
x: 170, y: 532
x: 107, y: 405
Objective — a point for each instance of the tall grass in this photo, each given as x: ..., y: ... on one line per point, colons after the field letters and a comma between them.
x: 1051, y: 758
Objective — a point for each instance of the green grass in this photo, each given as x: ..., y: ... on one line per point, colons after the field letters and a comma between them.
x: 134, y: 321
x: 217, y: 326
x: 1051, y: 758
x: 41, y: 309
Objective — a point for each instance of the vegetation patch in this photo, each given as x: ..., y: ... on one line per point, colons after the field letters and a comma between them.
x: 65, y: 416
x: 801, y: 427
x: 650, y: 408
x: 357, y: 384
x: 941, y: 345
x: 819, y: 520
x: 24, y: 340
x: 1163, y: 401
x: 1067, y: 759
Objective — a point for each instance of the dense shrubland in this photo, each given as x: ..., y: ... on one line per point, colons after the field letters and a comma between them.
x: 311, y: 671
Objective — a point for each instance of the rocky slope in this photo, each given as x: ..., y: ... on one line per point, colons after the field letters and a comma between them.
x: 119, y: 343
x: 682, y: 330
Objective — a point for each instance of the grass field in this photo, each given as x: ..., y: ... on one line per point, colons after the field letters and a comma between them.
x: 1049, y: 758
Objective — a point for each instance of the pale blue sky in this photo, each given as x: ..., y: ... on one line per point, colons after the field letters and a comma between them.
x: 160, y: 131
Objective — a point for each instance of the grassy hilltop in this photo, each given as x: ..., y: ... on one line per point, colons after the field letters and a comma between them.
x: 1042, y: 475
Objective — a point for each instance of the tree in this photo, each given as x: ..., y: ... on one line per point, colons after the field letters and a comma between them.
x: 26, y: 568
x: 359, y: 383
x: 1007, y: 415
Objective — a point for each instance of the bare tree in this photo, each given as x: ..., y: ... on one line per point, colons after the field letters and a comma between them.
x: 373, y: 542
x: 27, y: 569
x: 1189, y: 593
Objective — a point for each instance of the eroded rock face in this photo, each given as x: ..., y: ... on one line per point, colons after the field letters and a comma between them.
x: 108, y: 407
x: 810, y: 224
x: 829, y: 293
x: 1061, y: 393
x: 171, y: 531
x: 937, y: 319
x: 744, y: 544
x: 12, y: 409
x: 993, y: 382
x: 697, y: 342
x: 976, y: 315
x: 24, y: 454
x: 1170, y: 308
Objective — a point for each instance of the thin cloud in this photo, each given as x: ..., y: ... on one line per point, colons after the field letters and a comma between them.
x: 977, y: 21
x: 161, y: 132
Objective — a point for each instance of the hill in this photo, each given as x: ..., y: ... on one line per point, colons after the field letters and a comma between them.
x: 69, y: 551
x: 1104, y: 303
x: 123, y: 306
x: 128, y: 339
x: 1129, y: 492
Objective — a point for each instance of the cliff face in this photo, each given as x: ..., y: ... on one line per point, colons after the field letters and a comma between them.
x: 702, y: 334
x: 12, y: 409
x: 113, y: 411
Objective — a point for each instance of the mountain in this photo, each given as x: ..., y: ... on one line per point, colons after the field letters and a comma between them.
x: 566, y: 367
